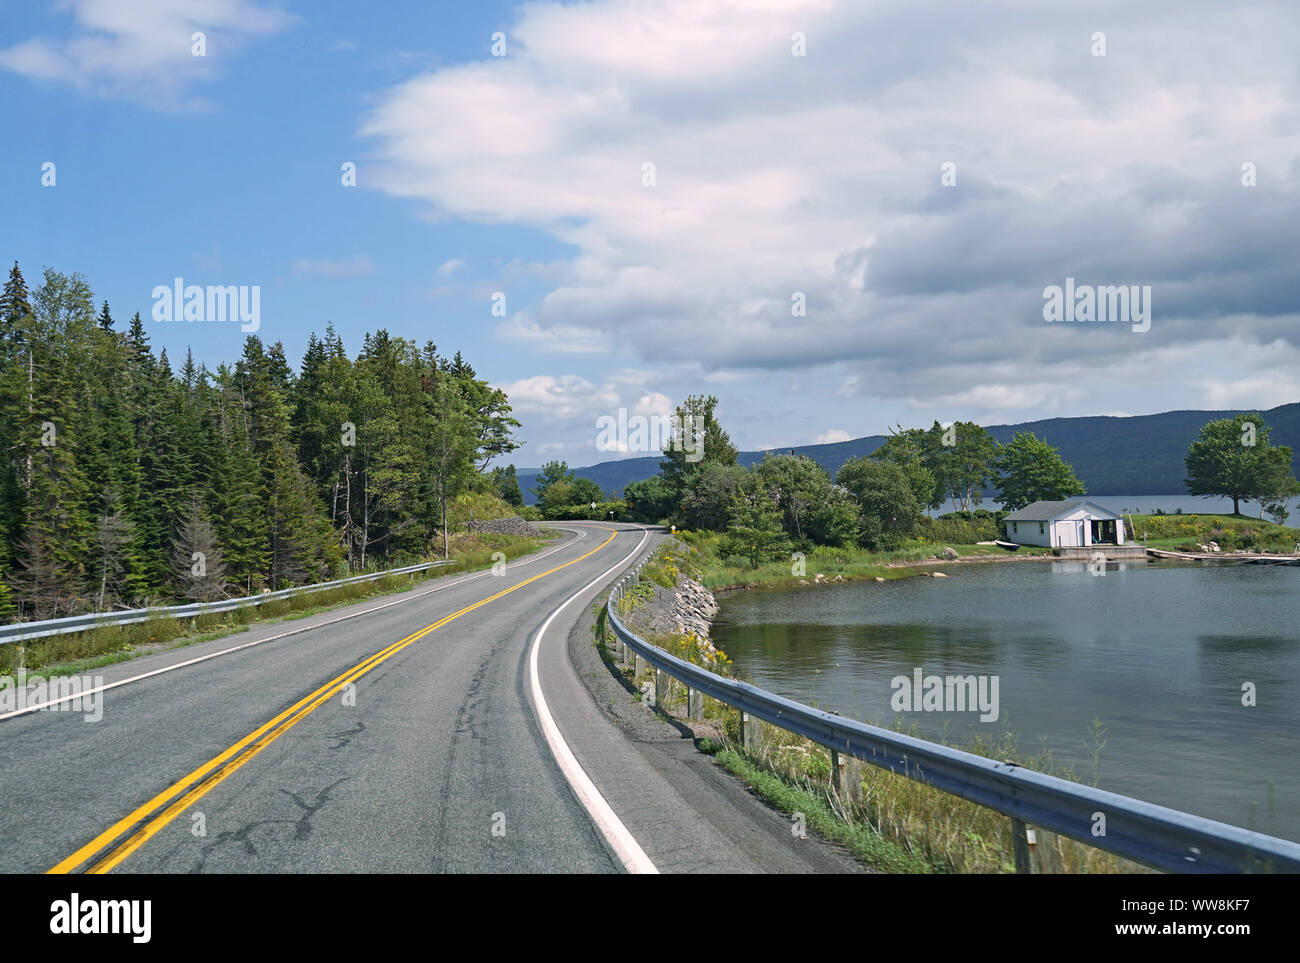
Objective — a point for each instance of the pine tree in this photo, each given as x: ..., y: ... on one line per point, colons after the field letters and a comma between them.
x: 115, y: 471
x: 15, y: 310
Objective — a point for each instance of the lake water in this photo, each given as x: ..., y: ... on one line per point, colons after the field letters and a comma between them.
x: 1147, y: 505
x: 1157, y: 652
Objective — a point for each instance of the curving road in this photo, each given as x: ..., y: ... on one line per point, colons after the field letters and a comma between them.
x: 464, y: 726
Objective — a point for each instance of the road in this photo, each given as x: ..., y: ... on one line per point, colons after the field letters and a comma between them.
x: 437, y: 730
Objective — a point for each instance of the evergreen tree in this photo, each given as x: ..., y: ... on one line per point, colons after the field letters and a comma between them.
x: 115, y: 470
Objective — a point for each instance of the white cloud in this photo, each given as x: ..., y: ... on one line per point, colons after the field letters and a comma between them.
x: 141, y: 49
x: 449, y: 267
x: 777, y: 174
x: 562, y: 397
x: 831, y: 436
x: 522, y: 329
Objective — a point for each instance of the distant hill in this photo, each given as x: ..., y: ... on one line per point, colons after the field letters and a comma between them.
x: 1141, y: 455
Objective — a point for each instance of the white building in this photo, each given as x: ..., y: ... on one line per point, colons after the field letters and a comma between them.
x: 1071, y: 523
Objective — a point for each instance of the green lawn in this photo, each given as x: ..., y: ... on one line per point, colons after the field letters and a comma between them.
x: 1232, y: 532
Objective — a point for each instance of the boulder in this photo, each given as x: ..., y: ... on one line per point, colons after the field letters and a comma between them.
x: 950, y: 553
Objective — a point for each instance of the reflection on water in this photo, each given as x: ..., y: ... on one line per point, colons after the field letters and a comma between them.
x: 1158, y: 653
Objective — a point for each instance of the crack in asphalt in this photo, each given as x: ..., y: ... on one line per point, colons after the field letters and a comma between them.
x: 302, y: 825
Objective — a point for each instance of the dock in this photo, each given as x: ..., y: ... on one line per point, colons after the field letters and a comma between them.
x: 1113, y: 553
x: 1158, y: 554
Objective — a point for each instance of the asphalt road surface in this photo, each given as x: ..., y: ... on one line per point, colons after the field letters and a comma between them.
x: 402, y: 734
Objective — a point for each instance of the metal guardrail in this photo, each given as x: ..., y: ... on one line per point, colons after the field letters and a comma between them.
x: 1153, y: 835
x: 22, y: 631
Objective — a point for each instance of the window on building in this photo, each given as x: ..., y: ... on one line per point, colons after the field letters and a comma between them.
x: 1040, y: 528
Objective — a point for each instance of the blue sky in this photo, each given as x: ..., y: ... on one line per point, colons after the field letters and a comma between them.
x: 775, y: 174
x: 246, y: 188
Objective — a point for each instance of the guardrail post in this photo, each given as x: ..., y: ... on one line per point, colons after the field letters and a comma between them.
x: 661, y: 688
x: 638, y: 665
x: 1022, y: 838
x: 694, y: 703
x: 846, y: 777
x: 749, y: 738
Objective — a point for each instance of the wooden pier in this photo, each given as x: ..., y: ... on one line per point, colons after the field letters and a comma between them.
x: 1157, y: 554
x: 1113, y: 553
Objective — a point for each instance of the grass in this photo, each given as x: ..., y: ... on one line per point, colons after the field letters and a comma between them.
x: 946, y: 833
x: 1231, y: 532
x: 853, y: 564
x: 819, y: 815
x: 82, y: 651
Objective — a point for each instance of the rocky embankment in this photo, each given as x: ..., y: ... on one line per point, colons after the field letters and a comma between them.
x: 506, y: 526
x: 687, y: 607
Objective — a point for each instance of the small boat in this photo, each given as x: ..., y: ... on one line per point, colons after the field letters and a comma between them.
x: 1009, y: 546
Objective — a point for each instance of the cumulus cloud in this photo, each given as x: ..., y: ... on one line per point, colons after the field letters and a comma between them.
x: 817, y: 179
x: 142, y: 49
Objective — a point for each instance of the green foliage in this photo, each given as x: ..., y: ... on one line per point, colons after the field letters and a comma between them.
x: 506, y: 483
x: 583, y: 510
x: 1232, y: 457
x: 701, y: 442
x: 954, y: 529
x: 1032, y: 470
x: 650, y: 501
x: 798, y: 485
x: 711, y: 494
x: 755, y: 534
x: 117, y: 469
x: 963, y: 469
x: 914, y: 450
x: 888, y: 508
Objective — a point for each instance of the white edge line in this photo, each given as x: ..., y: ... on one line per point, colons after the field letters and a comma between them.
x: 618, y: 836
x: 271, y: 638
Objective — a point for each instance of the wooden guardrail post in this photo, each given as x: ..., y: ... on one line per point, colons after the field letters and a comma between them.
x: 846, y: 777
x: 662, y: 681
x: 694, y: 703
x: 749, y: 736
x: 1022, y: 838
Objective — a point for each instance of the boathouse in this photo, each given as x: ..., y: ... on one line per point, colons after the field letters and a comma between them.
x: 1075, y: 523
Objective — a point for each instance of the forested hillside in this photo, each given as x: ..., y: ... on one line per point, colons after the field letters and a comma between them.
x: 1139, y: 455
x: 128, y: 481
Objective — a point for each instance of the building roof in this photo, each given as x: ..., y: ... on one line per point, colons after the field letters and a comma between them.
x: 1049, y: 511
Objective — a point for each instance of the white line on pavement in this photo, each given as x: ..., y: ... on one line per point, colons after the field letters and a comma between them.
x: 618, y: 836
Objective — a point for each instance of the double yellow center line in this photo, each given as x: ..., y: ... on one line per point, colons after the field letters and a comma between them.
x: 148, y: 820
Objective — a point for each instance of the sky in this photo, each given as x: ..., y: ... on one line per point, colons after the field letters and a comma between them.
x: 834, y: 216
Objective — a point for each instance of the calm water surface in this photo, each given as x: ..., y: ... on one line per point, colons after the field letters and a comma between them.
x: 1158, y: 653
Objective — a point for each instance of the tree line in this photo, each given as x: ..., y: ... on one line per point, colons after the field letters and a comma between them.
x: 124, y: 482
x: 878, y: 501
